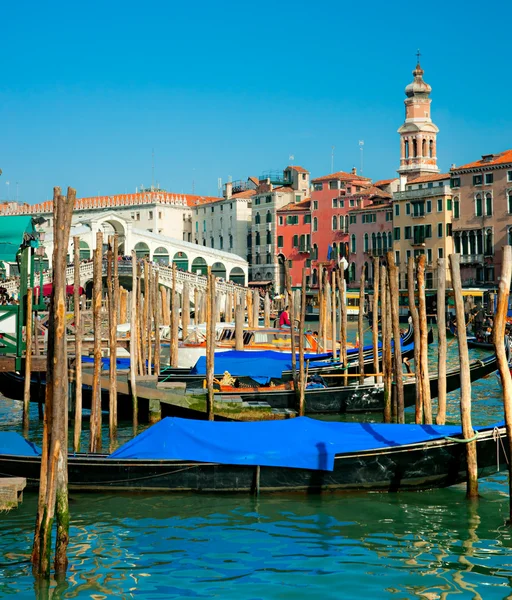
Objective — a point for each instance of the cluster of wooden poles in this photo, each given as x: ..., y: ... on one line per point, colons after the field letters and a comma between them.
x: 150, y: 306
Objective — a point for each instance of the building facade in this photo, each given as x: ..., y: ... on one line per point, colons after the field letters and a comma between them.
x: 274, y: 191
x: 332, y: 198
x: 294, y: 242
x: 482, y: 216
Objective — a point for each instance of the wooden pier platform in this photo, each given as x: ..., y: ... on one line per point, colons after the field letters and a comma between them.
x: 11, y: 491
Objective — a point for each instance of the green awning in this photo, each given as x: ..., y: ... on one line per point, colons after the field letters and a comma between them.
x: 11, y: 235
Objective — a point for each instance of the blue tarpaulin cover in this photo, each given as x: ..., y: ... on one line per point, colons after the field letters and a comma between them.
x: 259, y: 365
x: 121, y: 363
x: 298, y: 443
x: 14, y: 443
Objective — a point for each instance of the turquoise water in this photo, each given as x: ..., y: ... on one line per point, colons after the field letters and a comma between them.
x: 410, y: 545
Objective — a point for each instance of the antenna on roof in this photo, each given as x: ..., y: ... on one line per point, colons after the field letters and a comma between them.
x: 361, y: 147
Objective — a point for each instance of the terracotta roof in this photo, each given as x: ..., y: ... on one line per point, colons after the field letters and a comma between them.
x: 431, y: 177
x: 245, y: 194
x: 283, y: 188
x: 488, y: 160
x: 384, y: 181
x: 341, y: 175
x: 254, y: 180
x: 302, y: 205
x: 369, y: 191
x: 298, y: 169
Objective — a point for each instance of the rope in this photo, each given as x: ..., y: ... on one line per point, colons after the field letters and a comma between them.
x: 462, y: 441
x: 497, y: 438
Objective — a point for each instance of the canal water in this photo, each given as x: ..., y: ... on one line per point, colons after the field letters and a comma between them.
x: 424, y: 545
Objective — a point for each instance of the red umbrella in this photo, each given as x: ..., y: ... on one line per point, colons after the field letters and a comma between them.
x: 47, y: 289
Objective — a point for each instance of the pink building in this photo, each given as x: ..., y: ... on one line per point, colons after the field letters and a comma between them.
x: 294, y: 240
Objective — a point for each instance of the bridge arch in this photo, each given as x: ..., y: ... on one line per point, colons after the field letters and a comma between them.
x: 219, y: 270
x: 141, y: 250
x: 199, y: 266
x: 181, y: 261
x: 161, y: 256
x: 237, y: 275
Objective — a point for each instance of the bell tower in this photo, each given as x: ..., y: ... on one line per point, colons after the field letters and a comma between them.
x: 418, y: 134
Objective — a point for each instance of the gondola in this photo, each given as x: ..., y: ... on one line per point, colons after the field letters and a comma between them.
x: 353, y: 398
x: 301, y: 454
x: 474, y: 343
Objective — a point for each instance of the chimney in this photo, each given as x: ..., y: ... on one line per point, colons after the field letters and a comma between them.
x: 452, y: 167
x: 354, y: 171
x: 228, y: 190
x: 403, y: 181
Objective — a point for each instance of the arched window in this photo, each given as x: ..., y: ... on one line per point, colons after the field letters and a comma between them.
x: 414, y: 147
x: 257, y: 241
x: 424, y: 148
x: 269, y: 237
x: 390, y: 240
x: 379, y: 242
x: 257, y: 219
x: 352, y: 272
x: 384, y: 243
x: 489, y: 251
x: 366, y: 240
x: 456, y: 207
x: 334, y: 222
x: 212, y: 242
x: 353, y: 245
x: 315, y: 224
x: 478, y: 205
x: 431, y: 149
x: 510, y: 201
x: 315, y: 252
x: 406, y: 146
x: 221, y: 243
x: 346, y: 223
x: 231, y: 241
x: 334, y: 254
x: 374, y: 242
x: 269, y: 258
x: 315, y: 277
x: 510, y: 236
x: 258, y: 260
x: 295, y: 242
x: 249, y: 240
x: 269, y: 217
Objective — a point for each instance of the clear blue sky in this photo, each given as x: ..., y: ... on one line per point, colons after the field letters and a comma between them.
x: 88, y: 89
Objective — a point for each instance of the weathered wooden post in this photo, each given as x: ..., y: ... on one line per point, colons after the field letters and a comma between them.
x: 174, y: 320
x: 53, y: 487
x: 327, y: 312
x: 145, y: 327
x: 134, y: 350
x: 95, y: 439
x: 442, y: 348
x: 342, y: 284
x: 422, y: 313
x: 289, y: 292
x: 140, y: 323
x: 375, y: 319
x: 210, y: 343
x: 156, y: 320
x: 360, y: 326
x: 498, y: 338
x: 185, y: 310
x: 256, y: 308
x: 250, y: 313
x: 196, y: 307
x: 165, y: 304
x: 28, y: 363
x: 465, y: 381
x: 149, y: 316
x: 228, y: 313
x: 78, y: 345
x: 123, y: 305
x: 266, y: 309
x: 320, y: 338
x: 417, y: 344
x: 112, y: 301
x: 386, y: 343
x: 239, y: 326
x: 333, y: 314
x: 302, y: 320
x: 397, y: 349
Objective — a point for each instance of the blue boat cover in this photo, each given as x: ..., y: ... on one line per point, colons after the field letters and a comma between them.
x: 301, y: 443
x: 121, y: 363
x: 259, y: 365
x: 14, y: 443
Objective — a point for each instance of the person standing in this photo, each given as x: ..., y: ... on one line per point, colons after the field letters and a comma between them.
x: 284, y: 319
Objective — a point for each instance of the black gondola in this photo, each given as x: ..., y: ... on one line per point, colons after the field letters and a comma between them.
x: 385, y: 465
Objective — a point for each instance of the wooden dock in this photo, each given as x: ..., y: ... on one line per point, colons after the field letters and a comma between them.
x: 11, y: 491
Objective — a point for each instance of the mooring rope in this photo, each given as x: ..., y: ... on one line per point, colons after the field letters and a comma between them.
x: 462, y: 441
x: 497, y: 438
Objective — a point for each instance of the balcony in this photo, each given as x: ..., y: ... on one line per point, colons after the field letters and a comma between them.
x: 423, y: 193
x: 471, y: 259
x: 276, y: 178
x: 418, y: 243
x: 376, y: 252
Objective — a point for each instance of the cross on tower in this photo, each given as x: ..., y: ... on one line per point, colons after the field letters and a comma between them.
x: 418, y: 54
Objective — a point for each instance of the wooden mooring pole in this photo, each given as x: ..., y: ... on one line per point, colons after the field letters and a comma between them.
x: 397, y: 349
x: 95, y: 439
x: 386, y: 343
x: 442, y: 347
x: 499, y: 340
x: 78, y: 345
x: 134, y: 350
x: 174, y: 320
x: 422, y: 314
x: 112, y: 302
x: 342, y: 285
x: 416, y: 328
x: 375, y: 319
x: 302, y: 320
x: 210, y: 342
x: 465, y: 381
x: 53, y: 487
x: 360, y: 327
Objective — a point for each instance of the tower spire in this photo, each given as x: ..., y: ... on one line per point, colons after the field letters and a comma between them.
x: 418, y: 135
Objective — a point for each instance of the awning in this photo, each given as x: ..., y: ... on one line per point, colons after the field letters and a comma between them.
x: 12, y: 229
x: 47, y: 289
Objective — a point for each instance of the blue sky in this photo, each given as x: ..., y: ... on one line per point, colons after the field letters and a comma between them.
x: 89, y: 89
